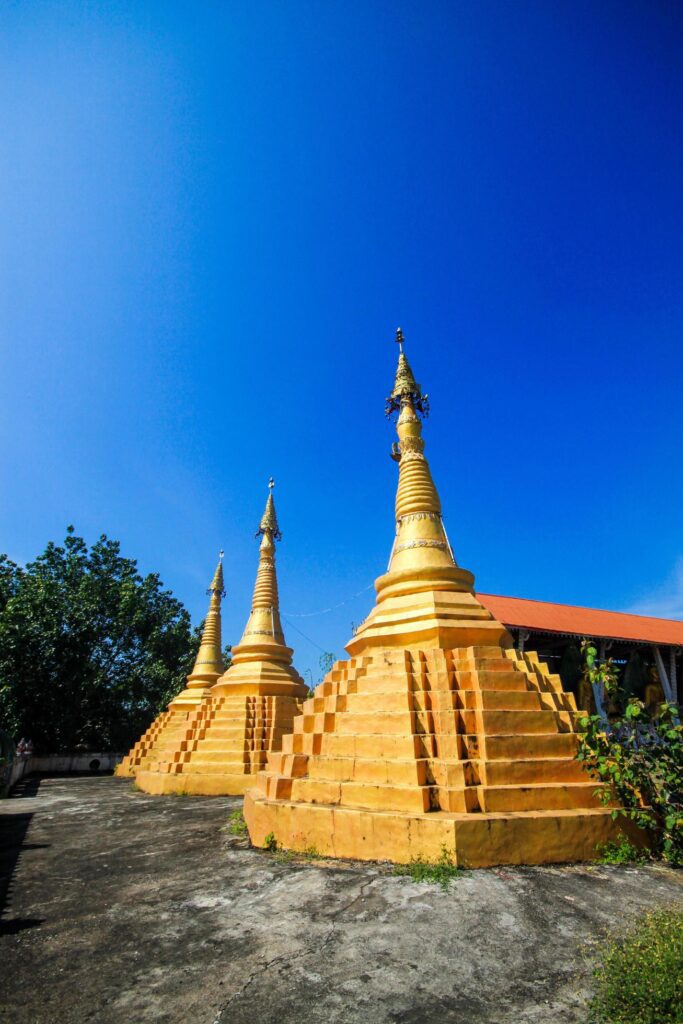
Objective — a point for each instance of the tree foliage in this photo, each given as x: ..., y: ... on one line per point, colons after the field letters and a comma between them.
x: 89, y: 648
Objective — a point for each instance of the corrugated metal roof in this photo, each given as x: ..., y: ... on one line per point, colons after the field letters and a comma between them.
x: 590, y: 622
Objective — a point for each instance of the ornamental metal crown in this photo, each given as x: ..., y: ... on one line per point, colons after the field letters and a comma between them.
x: 405, y: 386
x: 269, y: 522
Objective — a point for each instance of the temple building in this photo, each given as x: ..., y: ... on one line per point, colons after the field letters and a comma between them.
x: 645, y: 650
x: 170, y: 728
x: 435, y: 732
x: 248, y: 708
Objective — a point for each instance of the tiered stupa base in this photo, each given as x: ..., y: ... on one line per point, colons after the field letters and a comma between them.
x: 226, y: 742
x: 167, y: 728
x: 401, y: 753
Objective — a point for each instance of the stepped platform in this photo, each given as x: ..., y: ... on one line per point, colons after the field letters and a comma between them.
x: 225, y: 742
x: 403, y: 752
x: 167, y: 728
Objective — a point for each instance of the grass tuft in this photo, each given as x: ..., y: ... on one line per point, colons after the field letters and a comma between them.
x: 443, y: 872
x: 287, y: 856
x: 237, y: 826
x: 639, y: 977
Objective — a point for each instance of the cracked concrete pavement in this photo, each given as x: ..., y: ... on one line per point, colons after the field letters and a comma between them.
x: 121, y: 907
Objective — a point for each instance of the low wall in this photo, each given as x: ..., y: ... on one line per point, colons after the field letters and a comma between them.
x: 18, y: 769
x: 75, y: 763
x: 27, y: 764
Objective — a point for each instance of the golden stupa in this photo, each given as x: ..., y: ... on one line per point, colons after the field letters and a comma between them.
x: 435, y: 733
x: 170, y: 727
x: 248, y: 709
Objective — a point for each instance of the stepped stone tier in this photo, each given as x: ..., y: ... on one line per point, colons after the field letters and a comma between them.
x: 226, y: 739
x: 169, y: 728
x: 435, y: 733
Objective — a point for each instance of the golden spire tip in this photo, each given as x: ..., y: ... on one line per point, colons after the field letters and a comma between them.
x: 268, y: 522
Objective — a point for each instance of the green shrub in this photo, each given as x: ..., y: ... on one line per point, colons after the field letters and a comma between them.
x: 621, y: 851
x: 270, y: 842
x: 639, y: 760
x: 639, y: 977
x: 442, y: 872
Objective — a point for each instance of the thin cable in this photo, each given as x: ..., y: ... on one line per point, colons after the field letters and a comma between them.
x: 324, y: 611
x: 301, y: 633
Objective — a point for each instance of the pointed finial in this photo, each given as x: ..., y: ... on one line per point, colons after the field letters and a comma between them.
x: 268, y: 522
x: 217, y: 581
x: 406, y: 388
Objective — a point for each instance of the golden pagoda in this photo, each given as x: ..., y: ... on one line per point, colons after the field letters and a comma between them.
x: 435, y: 733
x: 248, y: 709
x: 171, y: 725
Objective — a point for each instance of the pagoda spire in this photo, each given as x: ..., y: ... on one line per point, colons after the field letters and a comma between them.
x: 262, y: 652
x: 208, y: 665
x: 424, y: 597
x: 264, y: 620
x: 420, y: 535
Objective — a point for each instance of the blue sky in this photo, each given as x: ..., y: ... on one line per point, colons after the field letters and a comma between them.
x: 213, y: 217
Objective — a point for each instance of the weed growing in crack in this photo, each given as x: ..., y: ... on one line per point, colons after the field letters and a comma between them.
x: 237, y: 826
x: 270, y: 842
x: 442, y: 872
x: 287, y: 856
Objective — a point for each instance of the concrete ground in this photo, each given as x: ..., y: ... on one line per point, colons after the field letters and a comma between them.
x: 122, y: 908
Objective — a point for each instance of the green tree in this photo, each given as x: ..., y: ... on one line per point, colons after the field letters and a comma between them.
x: 89, y: 648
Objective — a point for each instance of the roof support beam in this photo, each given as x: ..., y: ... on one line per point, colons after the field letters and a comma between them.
x: 673, y: 681
x: 663, y: 676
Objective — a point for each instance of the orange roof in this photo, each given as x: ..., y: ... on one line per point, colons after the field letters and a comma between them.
x: 590, y: 622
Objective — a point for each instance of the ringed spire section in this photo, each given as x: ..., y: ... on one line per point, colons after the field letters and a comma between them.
x: 208, y: 664
x: 262, y: 655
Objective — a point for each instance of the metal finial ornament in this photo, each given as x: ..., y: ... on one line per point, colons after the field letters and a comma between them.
x: 406, y: 388
x: 217, y: 586
x: 268, y: 522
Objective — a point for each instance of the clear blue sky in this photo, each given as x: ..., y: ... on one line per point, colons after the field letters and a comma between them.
x: 215, y: 214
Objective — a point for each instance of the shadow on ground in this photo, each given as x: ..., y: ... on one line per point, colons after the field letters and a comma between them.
x: 13, y: 830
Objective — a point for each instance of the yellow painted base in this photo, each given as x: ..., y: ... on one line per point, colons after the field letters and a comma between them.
x: 475, y: 841
x: 402, y: 752
x: 159, y: 784
x: 168, y: 727
x: 223, y: 744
